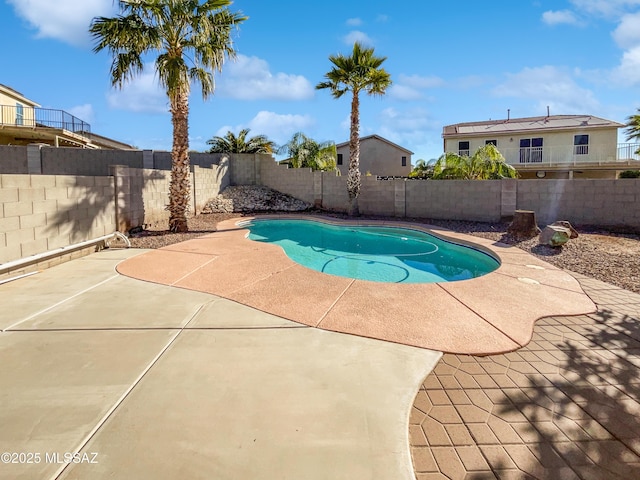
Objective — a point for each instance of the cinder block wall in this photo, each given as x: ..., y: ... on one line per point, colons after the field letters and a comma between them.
x: 298, y: 182
x: 377, y: 197
x: 82, y: 161
x: 45, y: 212
x: 208, y: 183
x: 454, y: 199
x: 582, y: 201
x: 13, y: 159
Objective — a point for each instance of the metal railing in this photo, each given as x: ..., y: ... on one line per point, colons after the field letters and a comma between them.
x: 571, y: 154
x: 19, y: 115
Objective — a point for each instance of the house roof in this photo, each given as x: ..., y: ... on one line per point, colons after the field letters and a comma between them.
x: 528, y: 124
x: 17, y: 95
x: 376, y: 137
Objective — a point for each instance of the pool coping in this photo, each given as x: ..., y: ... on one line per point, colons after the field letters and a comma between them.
x: 491, y: 314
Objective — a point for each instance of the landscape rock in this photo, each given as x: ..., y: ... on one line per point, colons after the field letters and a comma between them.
x: 565, y: 224
x: 554, y: 235
x: 253, y: 198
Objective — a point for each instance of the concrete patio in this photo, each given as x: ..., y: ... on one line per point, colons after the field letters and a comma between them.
x: 152, y: 381
x: 164, y: 383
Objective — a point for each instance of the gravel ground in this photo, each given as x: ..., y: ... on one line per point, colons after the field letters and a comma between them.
x: 610, y: 256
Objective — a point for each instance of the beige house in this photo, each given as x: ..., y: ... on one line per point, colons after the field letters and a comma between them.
x: 555, y: 146
x: 23, y: 121
x: 378, y: 156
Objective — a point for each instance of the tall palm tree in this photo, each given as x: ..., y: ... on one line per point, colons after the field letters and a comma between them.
x: 231, y: 143
x: 486, y: 163
x: 633, y: 128
x: 191, y: 39
x: 354, y: 73
x: 305, y: 152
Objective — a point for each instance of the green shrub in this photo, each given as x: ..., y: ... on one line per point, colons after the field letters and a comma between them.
x: 630, y: 174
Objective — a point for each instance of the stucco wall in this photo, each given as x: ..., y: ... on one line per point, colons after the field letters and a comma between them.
x: 557, y: 146
x: 377, y: 157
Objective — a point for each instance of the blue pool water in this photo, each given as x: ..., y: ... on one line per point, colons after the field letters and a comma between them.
x: 379, y: 254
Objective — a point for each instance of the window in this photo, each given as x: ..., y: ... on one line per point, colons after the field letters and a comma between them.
x: 581, y: 145
x: 463, y: 149
x: 491, y: 142
x: 339, y: 159
x: 531, y: 150
x: 19, y: 114
x: 404, y: 161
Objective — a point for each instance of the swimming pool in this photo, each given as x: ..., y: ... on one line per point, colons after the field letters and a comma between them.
x: 379, y: 254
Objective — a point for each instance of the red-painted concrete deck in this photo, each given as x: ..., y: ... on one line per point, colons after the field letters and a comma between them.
x: 491, y: 314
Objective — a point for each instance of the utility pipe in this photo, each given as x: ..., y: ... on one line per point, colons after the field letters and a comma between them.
x: 12, y: 265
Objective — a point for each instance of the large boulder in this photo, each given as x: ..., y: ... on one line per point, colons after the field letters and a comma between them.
x: 554, y: 235
x: 565, y: 224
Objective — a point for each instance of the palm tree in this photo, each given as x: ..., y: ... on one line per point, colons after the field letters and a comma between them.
x: 633, y: 128
x: 486, y: 163
x: 240, y: 144
x: 357, y: 72
x: 305, y: 152
x: 191, y: 39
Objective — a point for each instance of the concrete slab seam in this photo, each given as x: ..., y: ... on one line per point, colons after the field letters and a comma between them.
x: 194, y: 271
x: 59, y: 303
x: 126, y: 393
x: 482, y: 318
x: 258, y: 281
x: 334, y: 302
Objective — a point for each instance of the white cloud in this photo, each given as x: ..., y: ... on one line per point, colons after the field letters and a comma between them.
x: 382, y: 18
x: 605, y: 8
x: 142, y: 94
x: 249, y: 78
x: 627, y: 34
x: 65, y: 20
x: 354, y: 22
x: 418, y: 81
x: 560, y: 17
x: 548, y: 86
x: 83, y: 112
x: 628, y: 72
x: 357, y: 36
x: 278, y: 127
x: 398, y: 91
x: 410, y: 87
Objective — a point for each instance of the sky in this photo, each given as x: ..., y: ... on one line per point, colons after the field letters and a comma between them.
x: 450, y: 62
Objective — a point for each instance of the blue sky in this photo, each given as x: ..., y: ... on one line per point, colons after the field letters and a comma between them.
x: 450, y: 62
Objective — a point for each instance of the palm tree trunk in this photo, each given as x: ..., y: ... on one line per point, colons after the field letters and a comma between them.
x: 180, y: 186
x: 353, y: 177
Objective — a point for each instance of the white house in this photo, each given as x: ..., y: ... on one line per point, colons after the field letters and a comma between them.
x: 378, y: 156
x: 553, y: 146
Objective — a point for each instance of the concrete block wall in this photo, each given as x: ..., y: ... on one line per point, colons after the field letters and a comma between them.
x: 13, y: 159
x: 82, y: 161
x: 208, y: 183
x: 162, y: 160
x: 454, y: 199
x: 245, y: 169
x: 378, y: 197
x: 334, y: 192
x: 39, y: 213
x: 298, y: 182
x: 582, y: 201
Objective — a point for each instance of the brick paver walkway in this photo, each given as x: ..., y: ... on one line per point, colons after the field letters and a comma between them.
x: 566, y: 406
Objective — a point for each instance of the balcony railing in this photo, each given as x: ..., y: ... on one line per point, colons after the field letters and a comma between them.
x: 571, y: 154
x: 18, y: 115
